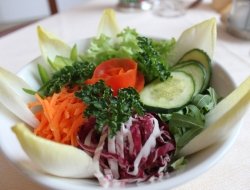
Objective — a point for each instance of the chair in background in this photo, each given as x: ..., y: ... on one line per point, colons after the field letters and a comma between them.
x: 53, y: 10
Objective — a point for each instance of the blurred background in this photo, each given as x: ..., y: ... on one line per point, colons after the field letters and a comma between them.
x: 15, y: 14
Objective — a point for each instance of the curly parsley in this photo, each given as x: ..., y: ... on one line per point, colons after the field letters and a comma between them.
x: 110, y: 110
x: 68, y: 75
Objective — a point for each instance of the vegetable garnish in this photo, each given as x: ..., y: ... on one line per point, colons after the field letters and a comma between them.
x: 54, y: 158
x: 140, y: 151
x: 60, y: 117
x: 77, y: 73
x: 51, y: 46
x: 200, y: 36
x: 13, y: 97
x: 221, y: 120
x: 150, y: 54
x: 150, y: 61
x: 107, y: 109
x: 188, y: 122
x: 117, y: 74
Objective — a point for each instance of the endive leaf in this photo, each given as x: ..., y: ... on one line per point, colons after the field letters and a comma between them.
x: 15, y: 83
x: 222, y: 120
x: 200, y: 36
x: 51, y: 46
x: 14, y: 98
x: 108, y: 24
x: 12, y: 101
x: 54, y: 158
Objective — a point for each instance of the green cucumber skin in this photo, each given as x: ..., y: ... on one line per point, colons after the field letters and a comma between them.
x: 162, y: 110
x: 183, y: 66
x: 204, y: 59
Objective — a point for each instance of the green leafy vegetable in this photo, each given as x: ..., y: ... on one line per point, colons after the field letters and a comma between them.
x: 164, y: 47
x: 150, y: 54
x: 206, y: 102
x: 150, y: 61
x: 110, y: 110
x: 77, y: 73
x: 108, y: 24
x: 60, y: 62
x: 74, y: 53
x: 105, y: 47
x: 184, y: 128
x: 51, y: 46
x: 190, y: 121
x: 179, y: 163
x: 43, y: 74
x: 221, y: 120
x: 200, y: 36
x: 29, y: 91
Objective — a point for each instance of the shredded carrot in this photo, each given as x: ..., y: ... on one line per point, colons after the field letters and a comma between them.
x: 60, y: 116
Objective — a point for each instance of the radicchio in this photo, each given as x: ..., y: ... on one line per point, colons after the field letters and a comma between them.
x: 140, y: 151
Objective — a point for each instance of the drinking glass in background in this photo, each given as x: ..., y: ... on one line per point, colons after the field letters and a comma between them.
x: 238, y: 22
x: 165, y: 8
x: 173, y: 8
x: 135, y: 5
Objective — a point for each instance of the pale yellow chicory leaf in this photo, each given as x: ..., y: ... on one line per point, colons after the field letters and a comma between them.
x: 13, y: 97
x: 108, y: 24
x: 52, y: 157
x: 200, y: 36
x: 51, y: 46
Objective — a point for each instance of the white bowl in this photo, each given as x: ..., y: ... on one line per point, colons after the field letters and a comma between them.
x: 197, y: 163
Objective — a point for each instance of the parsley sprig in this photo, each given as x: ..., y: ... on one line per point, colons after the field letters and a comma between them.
x: 110, y: 110
x: 150, y: 60
x: 68, y: 75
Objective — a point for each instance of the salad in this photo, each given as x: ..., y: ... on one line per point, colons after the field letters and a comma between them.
x: 125, y: 110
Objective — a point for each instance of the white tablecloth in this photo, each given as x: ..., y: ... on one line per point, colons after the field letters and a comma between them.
x: 20, y: 47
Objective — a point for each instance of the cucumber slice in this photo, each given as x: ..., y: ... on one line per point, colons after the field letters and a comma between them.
x: 172, y: 93
x: 203, y: 58
x: 196, y: 70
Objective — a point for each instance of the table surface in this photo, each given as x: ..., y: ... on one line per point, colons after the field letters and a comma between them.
x: 20, y: 47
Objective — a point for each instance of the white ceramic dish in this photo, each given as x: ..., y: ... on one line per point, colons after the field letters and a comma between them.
x: 198, y: 163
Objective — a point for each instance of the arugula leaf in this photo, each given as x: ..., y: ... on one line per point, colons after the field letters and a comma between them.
x: 206, y: 102
x: 190, y: 121
x: 109, y: 110
x: 76, y: 73
x: 184, y: 128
